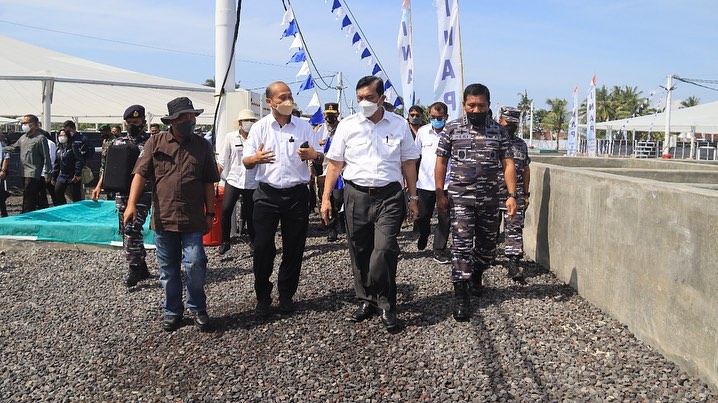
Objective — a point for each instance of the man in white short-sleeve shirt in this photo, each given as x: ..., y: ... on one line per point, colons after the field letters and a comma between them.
x: 377, y: 152
x: 427, y: 139
x: 279, y: 146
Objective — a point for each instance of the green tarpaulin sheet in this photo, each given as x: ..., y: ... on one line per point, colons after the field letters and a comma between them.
x: 82, y: 222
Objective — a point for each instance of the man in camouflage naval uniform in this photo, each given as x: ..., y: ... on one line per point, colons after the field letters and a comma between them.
x: 132, y: 240
x: 478, y: 147
x: 513, y: 226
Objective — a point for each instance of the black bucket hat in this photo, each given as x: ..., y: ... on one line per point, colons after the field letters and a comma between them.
x: 177, y: 107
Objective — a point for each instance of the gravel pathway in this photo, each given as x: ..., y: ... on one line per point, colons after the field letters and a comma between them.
x: 72, y: 331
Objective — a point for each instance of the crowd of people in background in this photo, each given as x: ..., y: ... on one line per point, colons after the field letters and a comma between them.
x: 364, y: 174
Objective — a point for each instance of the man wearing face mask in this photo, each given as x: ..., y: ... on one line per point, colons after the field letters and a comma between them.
x: 107, y: 139
x: 278, y: 146
x: 69, y: 162
x: 478, y: 148
x: 331, y: 117
x: 377, y: 153
x: 513, y: 226
x: 240, y: 182
x: 183, y: 170
x: 132, y: 240
x: 415, y: 119
x: 36, y: 163
x: 427, y: 139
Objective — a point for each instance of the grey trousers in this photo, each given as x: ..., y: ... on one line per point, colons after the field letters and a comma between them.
x: 373, y: 221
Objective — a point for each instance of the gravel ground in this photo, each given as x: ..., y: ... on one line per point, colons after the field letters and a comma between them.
x: 72, y: 331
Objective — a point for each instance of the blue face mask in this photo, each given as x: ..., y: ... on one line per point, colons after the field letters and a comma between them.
x: 437, y: 124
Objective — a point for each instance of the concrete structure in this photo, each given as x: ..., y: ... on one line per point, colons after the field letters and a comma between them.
x: 639, y: 239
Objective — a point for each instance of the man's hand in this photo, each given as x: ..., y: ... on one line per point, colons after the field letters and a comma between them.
x: 3, y: 175
x: 210, y: 220
x: 307, y: 154
x: 322, y: 142
x: 511, y: 206
x: 442, y: 202
x: 76, y: 179
x: 413, y: 212
x: 130, y: 214
x: 264, y: 157
x: 326, y: 210
x: 96, y: 193
x: 526, y: 203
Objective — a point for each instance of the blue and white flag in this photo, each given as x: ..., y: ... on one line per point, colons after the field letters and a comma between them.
x: 406, y: 56
x: 300, y: 56
x: 571, y: 147
x: 307, y: 84
x: 591, y: 119
x: 449, y: 82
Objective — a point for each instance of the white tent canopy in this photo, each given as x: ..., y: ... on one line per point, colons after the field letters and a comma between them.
x: 84, y: 90
x: 697, y: 119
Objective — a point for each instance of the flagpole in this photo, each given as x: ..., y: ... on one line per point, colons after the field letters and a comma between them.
x: 461, y: 50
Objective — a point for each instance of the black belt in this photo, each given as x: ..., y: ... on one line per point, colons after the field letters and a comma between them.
x: 268, y: 187
x: 370, y: 189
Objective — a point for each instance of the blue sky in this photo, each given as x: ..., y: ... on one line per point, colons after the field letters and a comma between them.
x: 545, y: 47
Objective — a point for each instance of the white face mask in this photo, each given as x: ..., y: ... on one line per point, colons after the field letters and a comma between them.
x: 285, y: 108
x: 62, y: 139
x: 367, y: 108
x: 25, y: 128
x: 246, y: 126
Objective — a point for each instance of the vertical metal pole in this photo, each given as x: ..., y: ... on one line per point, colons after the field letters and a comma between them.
x: 669, y: 90
x: 531, y: 126
x: 340, y: 84
x: 224, y: 19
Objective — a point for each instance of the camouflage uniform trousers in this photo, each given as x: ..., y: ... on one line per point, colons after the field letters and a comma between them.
x: 132, y: 240
x: 473, y: 230
x: 514, y: 230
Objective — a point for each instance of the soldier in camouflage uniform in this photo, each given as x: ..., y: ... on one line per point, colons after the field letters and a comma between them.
x: 513, y: 226
x: 478, y: 147
x: 132, y: 240
x: 107, y: 139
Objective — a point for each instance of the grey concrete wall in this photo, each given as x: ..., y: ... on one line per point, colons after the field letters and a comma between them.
x: 644, y: 251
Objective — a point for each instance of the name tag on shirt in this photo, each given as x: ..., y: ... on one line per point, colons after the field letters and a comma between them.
x: 461, y: 136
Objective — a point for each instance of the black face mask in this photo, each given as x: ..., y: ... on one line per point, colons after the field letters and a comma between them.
x: 511, y: 128
x: 133, y: 130
x: 477, y: 118
x: 331, y: 119
x: 185, y: 129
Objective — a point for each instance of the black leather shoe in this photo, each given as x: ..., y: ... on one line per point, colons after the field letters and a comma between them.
x: 224, y: 248
x: 388, y: 318
x: 286, y: 306
x: 421, y: 243
x: 171, y: 323
x: 364, y: 312
x: 263, y: 309
x: 201, y: 319
x: 476, y: 288
x: 515, y: 270
x: 133, y: 276
x: 462, y: 303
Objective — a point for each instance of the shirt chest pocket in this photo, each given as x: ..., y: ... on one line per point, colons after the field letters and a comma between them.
x: 427, y: 146
x: 461, y: 149
x: 164, y: 164
x: 357, y: 147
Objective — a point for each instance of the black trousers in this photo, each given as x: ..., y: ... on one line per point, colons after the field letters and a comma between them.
x: 61, y: 187
x: 427, y: 201
x: 373, y: 221
x: 34, y: 196
x: 291, y: 207
x: 231, y: 196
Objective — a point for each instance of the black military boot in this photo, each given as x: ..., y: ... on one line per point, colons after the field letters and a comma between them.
x: 515, y: 270
x: 476, y: 283
x: 332, y: 236
x: 462, y: 303
x: 134, y: 276
x: 144, y: 271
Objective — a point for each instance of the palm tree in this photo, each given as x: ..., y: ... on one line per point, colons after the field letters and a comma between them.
x: 556, y: 117
x: 690, y: 101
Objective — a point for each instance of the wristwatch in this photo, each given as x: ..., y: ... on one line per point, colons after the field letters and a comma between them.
x: 414, y: 198
x: 512, y: 195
